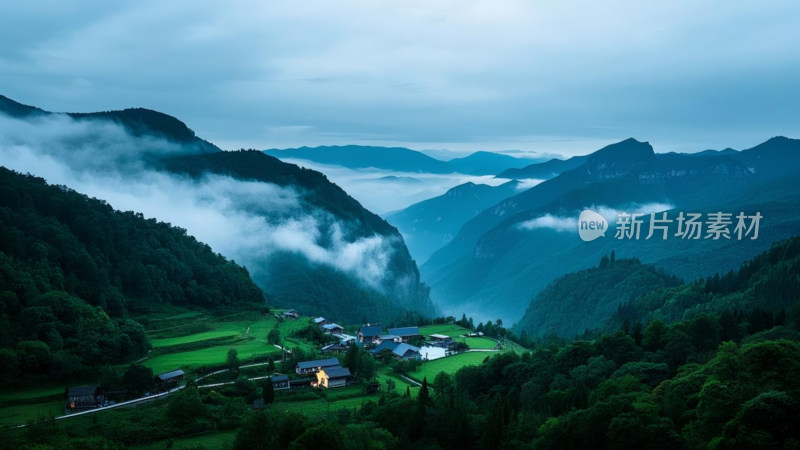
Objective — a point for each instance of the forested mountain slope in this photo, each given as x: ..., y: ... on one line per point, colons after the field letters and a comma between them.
x: 72, y: 270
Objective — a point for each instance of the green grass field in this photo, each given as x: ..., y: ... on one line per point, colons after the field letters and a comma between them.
x: 20, y: 406
x: 22, y: 395
x: 20, y: 414
x: 210, y: 356
x: 446, y: 329
x: 214, y: 441
x: 478, y: 342
x: 320, y: 409
x: 399, y: 383
x: 208, y: 335
x: 215, y: 354
x: 451, y: 364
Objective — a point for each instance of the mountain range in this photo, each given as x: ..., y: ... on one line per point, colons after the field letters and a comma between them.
x: 543, y: 170
x: 620, y: 291
x: 509, y: 252
x: 308, y: 244
x: 401, y: 159
x: 429, y: 225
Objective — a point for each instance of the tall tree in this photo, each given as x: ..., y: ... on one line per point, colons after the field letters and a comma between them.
x: 267, y: 392
x: 424, y: 397
x: 232, y: 360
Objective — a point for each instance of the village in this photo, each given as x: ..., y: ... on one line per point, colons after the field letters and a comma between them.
x: 409, y: 345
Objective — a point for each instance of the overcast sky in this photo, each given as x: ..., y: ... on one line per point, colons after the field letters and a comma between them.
x: 550, y: 76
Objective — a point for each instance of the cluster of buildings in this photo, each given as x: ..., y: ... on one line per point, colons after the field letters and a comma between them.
x: 90, y: 397
x: 327, y: 373
x: 391, y: 342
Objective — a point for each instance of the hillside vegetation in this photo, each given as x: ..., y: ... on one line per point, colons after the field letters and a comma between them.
x: 580, y: 301
x: 73, y: 270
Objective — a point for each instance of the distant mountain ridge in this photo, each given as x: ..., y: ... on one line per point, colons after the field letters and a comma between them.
x: 401, y: 159
x: 495, y: 262
x: 137, y: 121
x: 544, y: 170
x: 431, y: 224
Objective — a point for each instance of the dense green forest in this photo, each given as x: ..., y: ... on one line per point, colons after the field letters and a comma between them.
x: 721, y: 380
x: 597, y: 293
x: 73, y: 271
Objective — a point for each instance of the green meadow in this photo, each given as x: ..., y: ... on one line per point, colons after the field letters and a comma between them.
x: 451, y: 364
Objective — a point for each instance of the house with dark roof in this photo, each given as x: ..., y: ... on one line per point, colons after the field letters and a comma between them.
x: 336, y: 347
x: 388, y: 337
x: 279, y: 382
x: 301, y: 383
x: 169, y: 380
x: 306, y: 367
x: 290, y: 314
x: 384, y: 346
x: 331, y: 377
x: 441, y: 340
x: 84, y: 397
x: 405, y: 333
x: 367, y: 334
x: 406, y: 352
x: 333, y: 328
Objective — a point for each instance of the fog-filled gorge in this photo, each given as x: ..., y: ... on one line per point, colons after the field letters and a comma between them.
x: 243, y: 220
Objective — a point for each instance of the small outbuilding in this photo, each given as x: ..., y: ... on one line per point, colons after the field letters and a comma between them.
x: 332, y: 377
x: 169, y: 380
x: 290, y: 314
x: 335, y: 348
x: 280, y: 382
x: 84, y: 397
x: 333, y: 328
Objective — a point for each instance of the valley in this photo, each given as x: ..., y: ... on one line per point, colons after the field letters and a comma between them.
x: 265, y: 267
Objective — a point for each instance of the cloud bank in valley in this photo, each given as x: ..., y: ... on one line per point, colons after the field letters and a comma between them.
x: 243, y: 220
x: 384, y: 191
x: 570, y: 224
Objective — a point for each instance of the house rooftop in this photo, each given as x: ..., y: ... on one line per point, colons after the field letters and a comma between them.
x: 443, y: 337
x: 318, y: 363
x: 319, y: 320
x: 402, y: 349
x: 167, y: 375
x: 405, y: 331
x: 278, y: 378
x: 385, y: 345
x: 334, y: 346
x: 82, y: 391
x: 337, y: 372
x: 370, y: 330
x: 332, y: 326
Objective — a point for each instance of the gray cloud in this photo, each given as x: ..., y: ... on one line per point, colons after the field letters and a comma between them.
x: 570, y: 224
x: 244, y: 220
x: 548, y: 76
x: 381, y: 195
